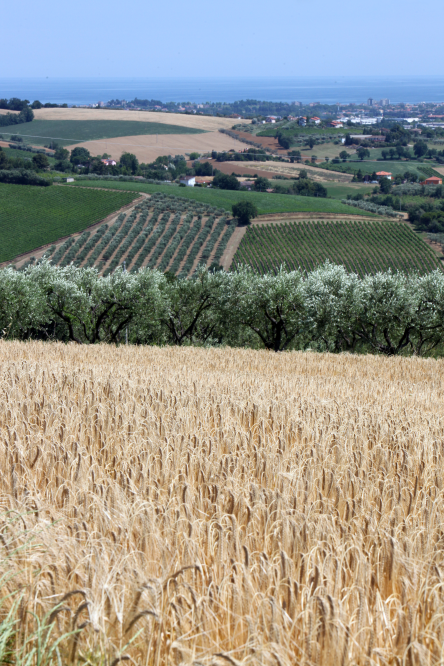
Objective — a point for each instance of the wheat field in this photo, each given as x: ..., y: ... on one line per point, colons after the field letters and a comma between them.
x: 211, y: 506
x: 210, y: 123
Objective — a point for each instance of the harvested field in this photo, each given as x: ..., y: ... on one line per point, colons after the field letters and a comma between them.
x: 208, y: 123
x: 292, y: 170
x: 147, y: 148
x: 182, y: 505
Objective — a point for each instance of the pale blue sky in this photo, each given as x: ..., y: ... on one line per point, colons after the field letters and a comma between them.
x: 142, y: 38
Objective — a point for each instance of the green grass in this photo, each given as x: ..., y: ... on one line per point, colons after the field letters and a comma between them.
x: 24, y: 154
x: 423, y: 170
x: 266, y: 203
x: 39, y: 132
x: 362, y: 247
x: 33, y: 216
x: 341, y: 190
x: 296, y: 130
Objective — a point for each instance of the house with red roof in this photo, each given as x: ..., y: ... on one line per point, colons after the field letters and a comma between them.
x: 433, y: 180
x: 384, y: 174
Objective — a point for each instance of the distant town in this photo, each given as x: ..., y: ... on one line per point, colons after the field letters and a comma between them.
x: 370, y: 112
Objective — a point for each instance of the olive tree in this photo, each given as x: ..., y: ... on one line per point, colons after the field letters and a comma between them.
x: 270, y: 305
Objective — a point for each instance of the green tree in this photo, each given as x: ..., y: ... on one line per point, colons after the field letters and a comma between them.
x: 190, y: 307
x: 271, y: 306
x: 363, y: 153
x: 420, y: 148
x: 344, y: 155
x: 245, y: 211
x: 225, y: 182
x: 130, y: 162
x: 385, y: 185
x: 61, y: 154
x: 261, y: 184
x: 80, y: 156
x: 384, y: 154
x: 283, y: 141
x: 40, y: 161
x: 311, y: 142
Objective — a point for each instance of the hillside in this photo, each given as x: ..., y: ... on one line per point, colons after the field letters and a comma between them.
x: 66, y: 132
x: 34, y: 216
x: 362, y: 247
x: 219, y: 506
x: 264, y: 201
x: 170, y: 234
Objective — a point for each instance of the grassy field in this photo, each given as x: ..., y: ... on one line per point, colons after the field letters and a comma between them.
x: 266, y: 203
x: 274, y: 509
x: 39, y: 132
x: 362, y: 247
x: 340, y: 191
x: 296, y: 130
x: 33, y: 216
x: 422, y: 169
x: 24, y: 154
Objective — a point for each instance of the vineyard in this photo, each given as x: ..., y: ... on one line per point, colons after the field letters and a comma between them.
x: 362, y: 247
x: 168, y: 233
x: 34, y: 216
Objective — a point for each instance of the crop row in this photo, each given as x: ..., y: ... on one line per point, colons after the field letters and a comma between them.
x: 169, y: 233
x: 362, y: 247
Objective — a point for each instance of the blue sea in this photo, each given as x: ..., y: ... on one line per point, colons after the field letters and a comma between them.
x: 327, y: 90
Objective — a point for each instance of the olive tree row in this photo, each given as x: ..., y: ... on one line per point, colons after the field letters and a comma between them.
x: 327, y: 309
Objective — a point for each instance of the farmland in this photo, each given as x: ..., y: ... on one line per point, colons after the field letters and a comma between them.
x: 265, y: 202
x: 196, y: 121
x: 236, y: 506
x: 167, y: 233
x: 32, y: 216
x: 40, y: 132
x: 396, y: 167
x: 362, y: 247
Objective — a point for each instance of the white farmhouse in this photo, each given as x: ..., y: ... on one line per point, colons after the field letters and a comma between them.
x: 189, y: 181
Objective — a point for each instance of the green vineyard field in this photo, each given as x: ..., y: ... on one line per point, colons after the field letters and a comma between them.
x: 362, y: 247
x: 34, y: 216
x: 167, y: 233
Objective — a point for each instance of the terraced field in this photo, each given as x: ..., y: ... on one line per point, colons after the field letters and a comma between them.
x: 362, y: 247
x: 167, y: 233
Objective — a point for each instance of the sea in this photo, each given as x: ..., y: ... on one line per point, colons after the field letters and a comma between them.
x: 327, y: 90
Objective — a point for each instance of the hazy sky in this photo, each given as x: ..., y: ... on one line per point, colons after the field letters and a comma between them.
x: 142, y: 38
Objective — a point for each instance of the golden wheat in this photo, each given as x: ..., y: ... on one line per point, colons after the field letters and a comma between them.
x: 182, y: 506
